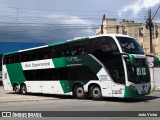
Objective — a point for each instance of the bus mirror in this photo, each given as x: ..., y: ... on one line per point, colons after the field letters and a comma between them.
x: 132, y: 59
x: 156, y: 59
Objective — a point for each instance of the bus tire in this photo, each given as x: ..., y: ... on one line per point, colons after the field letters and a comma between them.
x: 16, y: 88
x: 95, y: 92
x: 79, y: 92
x: 23, y: 89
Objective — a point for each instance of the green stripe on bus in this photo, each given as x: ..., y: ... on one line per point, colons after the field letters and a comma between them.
x: 87, y: 60
x: 55, y: 44
x: 11, y: 53
x: 130, y: 93
x: 65, y: 84
x: 15, y: 73
x: 60, y: 62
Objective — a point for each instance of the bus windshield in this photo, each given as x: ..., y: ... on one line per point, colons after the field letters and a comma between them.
x: 130, y: 45
x: 138, y: 72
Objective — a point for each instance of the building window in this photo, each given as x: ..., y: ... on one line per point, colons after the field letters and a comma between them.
x: 124, y: 31
x: 141, y: 32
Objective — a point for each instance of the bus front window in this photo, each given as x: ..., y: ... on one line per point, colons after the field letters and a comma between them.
x: 130, y: 45
x: 138, y: 72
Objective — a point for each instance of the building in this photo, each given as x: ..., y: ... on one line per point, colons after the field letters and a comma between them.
x: 136, y: 30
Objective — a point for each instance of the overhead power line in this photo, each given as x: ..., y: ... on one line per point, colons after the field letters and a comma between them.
x: 65, y: 10
x: 155, y: 12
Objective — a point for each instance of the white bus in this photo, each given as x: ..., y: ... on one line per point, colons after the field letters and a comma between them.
x: 110, y: 65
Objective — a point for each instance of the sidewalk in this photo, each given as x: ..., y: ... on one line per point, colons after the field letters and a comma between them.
x: 157, y: 88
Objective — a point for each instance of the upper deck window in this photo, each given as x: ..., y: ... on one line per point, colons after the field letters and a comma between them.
x: 130, y: 45
x: 104, y: 44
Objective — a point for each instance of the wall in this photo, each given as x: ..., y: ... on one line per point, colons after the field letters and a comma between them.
x: 156, y: 78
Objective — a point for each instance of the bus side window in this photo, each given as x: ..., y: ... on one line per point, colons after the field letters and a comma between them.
x: 39, y: 55
x: 64, y: 49
x: 112, y: 44
x: 81, y: 73
x: 40, y: 74
x: 25, y: 58
x: 10, y: 60
x: 65, y: 53
x: 81, y: 50
x: 15, y: 59
x: 52, y: 74
x: 80, y: 47
x: 92, y: 45
x: 4, y: 60
x: 91, y: 48
x: 73, y: 51
x: 61, y: 51
x: 105, y: 44
x: 19, y: 58
x: 63, y: 73
x: 34, y: 56
x: 22, y: 57
x: 46, y: 54
x: 51, y: 52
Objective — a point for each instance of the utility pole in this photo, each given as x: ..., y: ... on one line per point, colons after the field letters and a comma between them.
x: 104, y: 17
x: 150, y: 26
x: 102, y: 29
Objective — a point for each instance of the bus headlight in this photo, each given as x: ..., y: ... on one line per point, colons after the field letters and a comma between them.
x: 117, y: 91
x: 133, y: 87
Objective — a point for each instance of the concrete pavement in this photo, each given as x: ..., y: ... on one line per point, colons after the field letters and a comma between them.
x: 6, y: 96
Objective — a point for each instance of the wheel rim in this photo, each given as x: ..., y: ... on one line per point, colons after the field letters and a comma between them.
x: 23, y: 89
x: 96, y: 92
x: 80, y: 92
x: 16, y: 89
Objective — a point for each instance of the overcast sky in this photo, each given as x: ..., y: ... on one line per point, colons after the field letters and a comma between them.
x: 49, y: 21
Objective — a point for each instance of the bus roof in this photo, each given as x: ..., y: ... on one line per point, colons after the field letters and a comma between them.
x: 111, y: 35
x: 69, y: 41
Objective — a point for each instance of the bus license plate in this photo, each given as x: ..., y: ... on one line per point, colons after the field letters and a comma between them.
x: 142, y: 92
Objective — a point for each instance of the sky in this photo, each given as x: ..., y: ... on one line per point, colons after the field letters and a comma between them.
x: 50, y: 21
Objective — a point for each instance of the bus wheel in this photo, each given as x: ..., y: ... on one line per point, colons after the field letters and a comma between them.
x: 16, y: 88
x: 79, y: 92
x: 95, y: 92
x: 23, y: 89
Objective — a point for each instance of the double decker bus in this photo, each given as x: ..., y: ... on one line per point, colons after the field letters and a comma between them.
x: 110, y: 65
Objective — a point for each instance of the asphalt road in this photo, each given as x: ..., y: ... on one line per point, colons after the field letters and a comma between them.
x: 39, y: 102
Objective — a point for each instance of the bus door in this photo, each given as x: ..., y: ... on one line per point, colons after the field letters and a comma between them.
x: 115, y: 67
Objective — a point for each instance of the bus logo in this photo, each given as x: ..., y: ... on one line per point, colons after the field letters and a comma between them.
x: 73, y: 59
x: 143, y: 86
x: 6, y: 114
